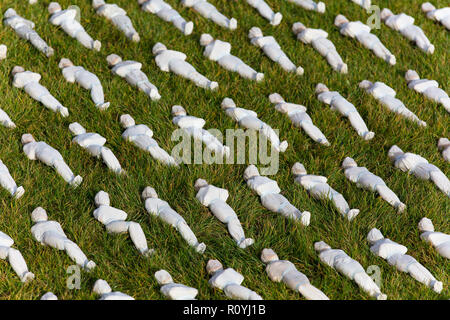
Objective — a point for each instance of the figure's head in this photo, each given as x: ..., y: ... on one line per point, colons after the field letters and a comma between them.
x: 349, y: 163
x: 76, y: 128
x: 64, y: 63
x: 255, y: 32
x: 113, y: 59
x: 97, y: 3
x: 298, y: 27
x: 443, y: 143
x: 426, y: 225
x: 102, y: 199
x: 411, y: 75
x: 365, y: 84
x: 427, y: 7
x: 321, y: 246
x: 200, y: 183
x: 27, y: 138
x: 178, y: 111
x: 16, y: 70
x: 320, y: 88
x: 54, y: 7
x: 385, y: 13
x: 206, y: 39
x: 148, y: 193
x: 101, y: 287
x: 394, y: 152
x: 9, y: 13
x: 158, y: 48
x: 213, y: 266
x: 340, y: 20
x: 127, y: 121
x: 163, y: 277
x: 298, y: 169
x: 374, y: 236
x: 39, y: 214
x: 228, y: 103
x: 276, y: 98
x: 250, y: 172
x: 268, y: 255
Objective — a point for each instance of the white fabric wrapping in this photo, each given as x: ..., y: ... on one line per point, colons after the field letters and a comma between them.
x: 174, y: 291
x: 441, y: 15
x: 310, y: 5
x: 165, y: 11
x: 14, y: 257
x: 6, y: 121
x: 366, y: 4
x: 49, y: 295
x: 444, y: 147
x: 207, y: 10
x: 266, y: 12
x: 102, y: 288
x: 119, y: 19
x: 7, y: 182
x: 440, y: 241
x: 3, y: 51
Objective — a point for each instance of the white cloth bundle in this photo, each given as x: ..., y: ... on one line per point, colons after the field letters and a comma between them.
x: 366, y: 4
x: 49, y: 295
x: 3, y: 51
x: 441, y: 15
x: 444, y: 147
x: 207, y: 10
x: 310, y: 5
x: 14, y: 257
x: 265, y: 11
x: 6, y: 121
x: 440, y: 241
x: 165, y: 11
x: 7, y: 182
x: 102, y: 288
x: 174, y: 291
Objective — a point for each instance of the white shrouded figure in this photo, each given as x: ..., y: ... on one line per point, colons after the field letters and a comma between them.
x: 29, y: 82
x: 440, y: 241
x: 444, y: 147
x: 404, y: 24
x: 271, y: 198
x: 193, y: 126
x: 7, y: 182
x: 6, y: 121
x: 174, y: 291
x: 114, y: 221
x: 441, y: 15
x: 386, y: 96
x: 360, y: 31
x: 272, y: 49
x: 366, y: 4
x: 165, y: 11
x: 310, y: 5
x: 429, y: 88
x: 118, y: 17
x: 14, y: 257
x: 419, y: 167
x: 265, y: 11
x: 317, y: 38
x: 164, y: 211
x: 285, y: 271
x: 318, y: 188
x: 50, y: 233
x: 102, y: 288
x: 67, y: 20
x: 94, y: 144
x: 25, y: 30
x: 87, y: 80
x: 141, y: 136
x: 299, y: 117
x: 3, y: 51
x: 216, y: 200
x: 49, y: 296
x: 219, y: 51
x: 248, y: 119
x: 131, y: 71
x: 229, y: 280
x: 39, y: 150
x: 350, y: 268
x: 367, y: 180
x: 345, y: 108
x: 395, y: 254
x: 174, y: 61
x: 207, y: 10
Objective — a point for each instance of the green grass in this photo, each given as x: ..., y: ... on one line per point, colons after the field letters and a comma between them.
x: 118, y: 261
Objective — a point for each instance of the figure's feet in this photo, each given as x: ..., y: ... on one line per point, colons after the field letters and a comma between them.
x: 368, y: 135
x: 321, y: 7
x: 381, y: 296
x: 343, y: 68
x: 422, y: 123
x: 148, y: 252
x: 246, y: 243
x: 276, y: 19
x: 19, y: 192
x: 401, y: 207
x: 436, y: 286
x: 90, y: 265
x: 305, y: 218
x: 233, y: 24
x: 97, y: 45
x: 392, y: 60
x: 76, y: 181
x: 188, y: 28
x: 352, y: 214
x: 49, y: 52
x: 430, y: 49
x: 300, y: 71
x: 27, y: 276
x: 63, y: 111
x: 103, y: 106
x: 200, y: 248
x: 154, y: 95
x: 135, y: 37
x: 259, y: 76
x: 283, y: 146
x: 213, y: 85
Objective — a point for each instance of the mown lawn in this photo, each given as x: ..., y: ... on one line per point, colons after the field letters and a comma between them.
x: 118, y: 261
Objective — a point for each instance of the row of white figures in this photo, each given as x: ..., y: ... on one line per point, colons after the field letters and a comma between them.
x: 441, y: 15
x: 310, y: 5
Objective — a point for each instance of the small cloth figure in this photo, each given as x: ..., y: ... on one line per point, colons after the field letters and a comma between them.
x: 219, y: 51
x: 50, y: 233
x: 440, y: 241
x: 444, y: 146
x: 141, y: 136
x: 49, y: 295
x: 3, y: 51
x: 318, y: 39
x: 441, y: 15
x: 248, y: 119
x: 114, y: 221
x: 193, y: 127
x: 229, y: 280
x: 165, y: 11
x: 25, y: 30
x: 285, y: 271
x: 271, y: 198
x: 7, y: 182
x: 360, y: 31
x: 29, y: 81
x: 174, y: 291
x: 386, y: 96
x: 67, y: 20
x: 163, y: 211
x: 94, y: 144
x: 345, y: 108
x: 404, y: 24
x: 6, y: 121
x: 207, y: 10
x: 216, y: 200
x: 118, y: 17
x: 50, y: 157
x: 265, y: 11
x: 366, y: 4
x: 318, y: 188
x: 310, y: 5
x: 102, y: 288
x: 131, y: 71
x: 419, y: 166
x: 350, y: 268
x: 395, y: 255
x: 429, y: 88
x: 272, y: 49
x: 86, y: 80
x: 14, y: 257
x: 174, y: 61
x: 367, y: 180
